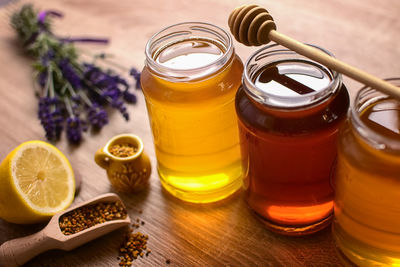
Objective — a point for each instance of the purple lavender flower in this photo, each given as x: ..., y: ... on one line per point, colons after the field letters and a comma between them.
x: 112, y: 93
x: 58, y: 120
x: 110, y: 87
x: 129, y: 97
x: 97, y: 116
x: 46, y: 58
x: 74, y: 129
x: 118, y: 80
x: 96, y: 76
x: 43, y: 14
x: 44, y: 61
x: 119, y: 105
x: 51, y: 117
x: 136, y: 75
x: 42, y: 78
x: 104, y: 80
x: 70, y: 73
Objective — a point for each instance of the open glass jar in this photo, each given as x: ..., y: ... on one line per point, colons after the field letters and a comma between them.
x: 289, y: 110
x: 367, y: 181
x: 190, y: 78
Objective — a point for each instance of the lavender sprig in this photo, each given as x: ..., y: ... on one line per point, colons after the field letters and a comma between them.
x: 74, y: 95
x: 97, y: 116
x: 51, y: 118
x: 136, y: 75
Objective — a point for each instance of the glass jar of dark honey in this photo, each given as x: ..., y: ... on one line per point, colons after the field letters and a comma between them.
x: 289, y: 111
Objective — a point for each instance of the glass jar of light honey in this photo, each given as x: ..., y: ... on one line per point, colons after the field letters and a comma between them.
x: 189, y: 81
x: 289, y: 110
x: 366, y: 227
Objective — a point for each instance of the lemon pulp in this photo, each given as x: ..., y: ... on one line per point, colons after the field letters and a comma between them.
x: 36, y: 181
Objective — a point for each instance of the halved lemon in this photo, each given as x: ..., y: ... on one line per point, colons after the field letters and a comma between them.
x: 36, y: 182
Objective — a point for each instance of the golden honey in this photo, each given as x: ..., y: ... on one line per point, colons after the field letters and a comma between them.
x: 367, y: 185
x: 189, y: 83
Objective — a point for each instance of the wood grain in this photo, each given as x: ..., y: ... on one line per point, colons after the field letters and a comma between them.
x: 360, y: 32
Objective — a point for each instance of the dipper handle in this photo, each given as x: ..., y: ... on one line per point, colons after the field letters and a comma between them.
x: 252, y: 25
x: 18, y: 251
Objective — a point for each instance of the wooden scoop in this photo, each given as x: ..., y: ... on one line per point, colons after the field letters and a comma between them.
x: 252, y: 25
x: 20, y: 250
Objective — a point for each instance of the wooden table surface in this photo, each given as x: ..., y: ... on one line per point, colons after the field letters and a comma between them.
x: 365, y: 33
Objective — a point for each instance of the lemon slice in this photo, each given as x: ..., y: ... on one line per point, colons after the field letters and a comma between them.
x: 36, y: 181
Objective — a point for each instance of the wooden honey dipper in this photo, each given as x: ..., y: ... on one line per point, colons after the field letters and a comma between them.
x: 252, y: 25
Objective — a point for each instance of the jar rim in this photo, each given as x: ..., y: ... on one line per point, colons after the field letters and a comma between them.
x: 369, y: 135
x: 287, y: 102
x: 167, y: 33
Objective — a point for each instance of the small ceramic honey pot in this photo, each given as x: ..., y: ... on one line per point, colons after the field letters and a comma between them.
x: 127, y: 165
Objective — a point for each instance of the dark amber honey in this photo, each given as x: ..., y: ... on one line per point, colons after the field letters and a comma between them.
x: 289, y: 152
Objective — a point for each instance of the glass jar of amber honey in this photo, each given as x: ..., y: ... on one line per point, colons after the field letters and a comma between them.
x: 189, y: 81
x: 289, y: 111
x: 366, y: 227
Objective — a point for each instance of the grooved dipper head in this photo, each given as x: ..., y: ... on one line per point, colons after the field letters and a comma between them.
x: 251, y: 24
